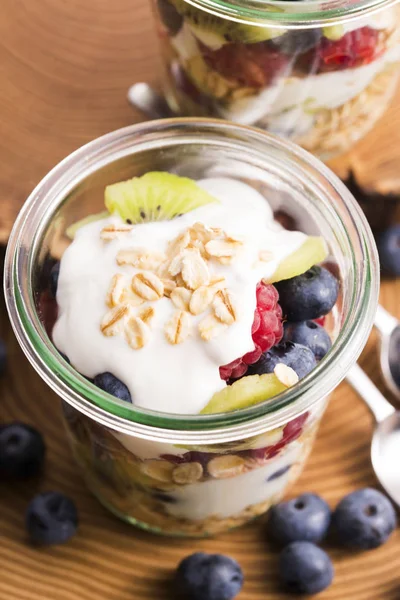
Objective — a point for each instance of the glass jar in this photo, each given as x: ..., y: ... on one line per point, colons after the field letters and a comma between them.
x: 319, y: 73
x: 190, y: 474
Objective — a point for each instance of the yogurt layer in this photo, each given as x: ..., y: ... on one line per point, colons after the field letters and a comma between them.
x: 177, y: 378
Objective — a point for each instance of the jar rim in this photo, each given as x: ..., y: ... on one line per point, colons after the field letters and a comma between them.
x: 73, y: 388
x: 287, y: 13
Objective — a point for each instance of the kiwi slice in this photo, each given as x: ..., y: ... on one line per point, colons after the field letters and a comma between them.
x: 246, y: 392
x: 156, y: 196
x: 333, y: 32
x: 229, y: 31
x: 72, y: 229
x: 312, y: 252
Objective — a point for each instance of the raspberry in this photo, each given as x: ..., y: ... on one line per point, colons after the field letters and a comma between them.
x: 267, y: 331
x: 355, y: 48
x: 251, y: 65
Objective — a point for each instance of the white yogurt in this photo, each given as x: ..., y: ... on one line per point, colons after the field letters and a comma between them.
x: 170, y: 378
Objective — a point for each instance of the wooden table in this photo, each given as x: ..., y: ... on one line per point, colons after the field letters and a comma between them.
x: 65, y: 67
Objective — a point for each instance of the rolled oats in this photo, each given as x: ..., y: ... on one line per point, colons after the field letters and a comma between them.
x: 178, y: 328
x: 228, y: 465
x: 112, y: 232
x: 160, y: 470
x: 286, y: 375
x: 148, y: 285
x: 187, y: 473
x: 114, y: 321
x: 210, y: 327
x: 140, y: 258
x: 137, y: 333
x: 224, y: 307
x: 181, y: 297
x: 201, y: 299
x: 194, y: 269
x: 115, y: 293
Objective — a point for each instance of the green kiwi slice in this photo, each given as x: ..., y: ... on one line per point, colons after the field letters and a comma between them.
x: 245, y: 392
x: 230, y: 31
x: 156, y: 196
x: 312, y: 252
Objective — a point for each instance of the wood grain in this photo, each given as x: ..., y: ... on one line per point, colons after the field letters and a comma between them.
x: 65, y: 68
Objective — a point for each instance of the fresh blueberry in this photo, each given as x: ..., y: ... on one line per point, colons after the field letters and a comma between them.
x: 308, y: 296
x: 3, y: 357
x: 364, y: 519
x: 305, y: 518
x: 389, y: 249
x: 22, y: 451
x: 53, y: 283
x: 172, y: 20
x: 310, y: 334
x: 109, y: 383
x: 51, y: 518
x: 203, y: 576
x: 305, y: 569
x: 297, y: 42
x: 296, y: 356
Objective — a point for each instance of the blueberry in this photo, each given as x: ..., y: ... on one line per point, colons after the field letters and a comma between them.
x: 305, y: 569
x: 53, y: 282
x: 297, y: 42
x: 51, y: 518
x: 3, y: 357
x: 364, y: 519
x: 109, y: 383
x: 389, y: 249
x: 305, y: 519
x: 22, y: 451
x: 308, y: 296
x: 298, y: 357
x: 172, y: 20
x: 203, y: 576
x: 279, y: 473
x: 310, y: 334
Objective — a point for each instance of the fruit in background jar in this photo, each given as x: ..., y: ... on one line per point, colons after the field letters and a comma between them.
x: 310, y: 253
x: 208, y: 81
x: 156, y: 196
x: 305, y: 518
x: 254, y: 65
x: 228, y: 31
x: 111, y: 384
x: 305, y: 569
x: 297, y: 357
x: 310, y: 334
x: 388, y: 244
x: 296, y: 42
x: 51, y: 518
x: 333, y: 32
x: 203, y: 576
x: 169, y: 16
x: 355, y: 48
x: 308, y: 296
x: 267, y: 330
x: 22, y: 451
x: 364, y: 519
x: 244, y: 393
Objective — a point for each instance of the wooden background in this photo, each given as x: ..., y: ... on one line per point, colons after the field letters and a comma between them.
x: 65, y: 66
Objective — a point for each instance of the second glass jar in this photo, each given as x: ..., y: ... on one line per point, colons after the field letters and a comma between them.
x: 294, y: 74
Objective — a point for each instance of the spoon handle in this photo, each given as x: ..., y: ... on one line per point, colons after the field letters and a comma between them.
x: 384, y: 321
x: 376, y: 402
x: 143, y: 97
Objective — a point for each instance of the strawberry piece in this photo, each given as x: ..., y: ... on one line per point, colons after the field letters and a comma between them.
x: 355, y: 48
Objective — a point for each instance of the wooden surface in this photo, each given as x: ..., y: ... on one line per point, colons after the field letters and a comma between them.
x: 65, y: 67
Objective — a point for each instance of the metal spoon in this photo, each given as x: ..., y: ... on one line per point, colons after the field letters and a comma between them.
x: 389, y: 329
x: 385, y: 446
x: 144, y: 98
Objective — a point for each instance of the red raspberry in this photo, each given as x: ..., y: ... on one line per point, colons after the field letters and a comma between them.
x: 250, y: 65
x: 321, y: 320
x: 355, y: 48
x: 267, y: 331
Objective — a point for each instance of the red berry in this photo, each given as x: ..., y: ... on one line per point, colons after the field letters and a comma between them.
x: 251, y: 65
x: 320, y: 320
x: 355, y: 48
x: 294, y: 429
x: 267, y: 331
